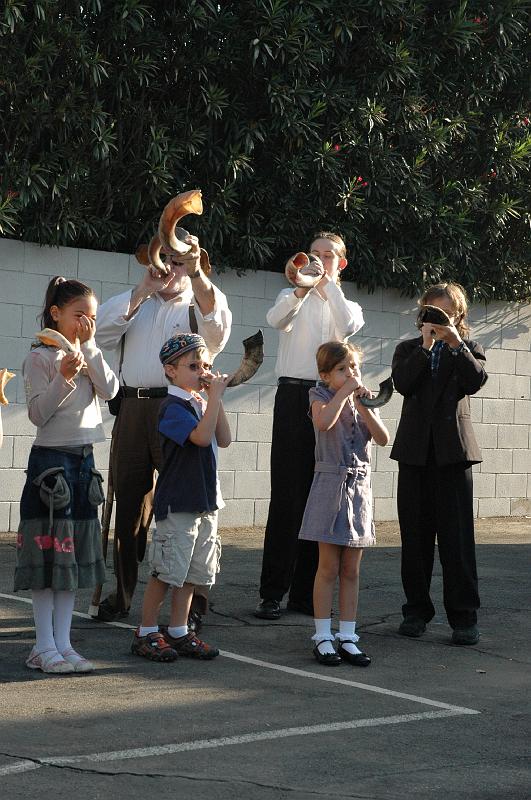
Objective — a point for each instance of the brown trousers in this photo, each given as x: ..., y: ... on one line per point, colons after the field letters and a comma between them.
x: 135, y: 456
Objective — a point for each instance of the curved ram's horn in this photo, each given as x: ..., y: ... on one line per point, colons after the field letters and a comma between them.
x: 5, y: 376
x: 141, y: 255
x: 304, y: 271
x: 178, y: 207
x: 383, y: 396
x: 252, y: 358
x: 153, y: 254
x: 53, y: 338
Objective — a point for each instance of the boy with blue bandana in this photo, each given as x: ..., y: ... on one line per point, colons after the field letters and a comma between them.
x: 185, y: 549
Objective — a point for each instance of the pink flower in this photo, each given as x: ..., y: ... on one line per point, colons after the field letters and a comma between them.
x: 337, y: 147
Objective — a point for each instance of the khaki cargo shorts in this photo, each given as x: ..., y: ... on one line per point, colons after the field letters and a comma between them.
x: 186, y: 548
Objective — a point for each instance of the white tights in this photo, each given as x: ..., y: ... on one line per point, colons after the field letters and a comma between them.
x: 52, y: 612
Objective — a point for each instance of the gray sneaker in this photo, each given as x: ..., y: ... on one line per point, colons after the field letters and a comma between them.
x: 468, y: 635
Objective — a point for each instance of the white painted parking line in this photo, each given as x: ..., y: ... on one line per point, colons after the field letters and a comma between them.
x: 204, y: 744
x: 295, y: 671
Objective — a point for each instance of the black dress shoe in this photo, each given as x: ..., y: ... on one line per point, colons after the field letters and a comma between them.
x: 267, y: 609
x: 412, y: 626
x: 107, y: 612
x: 469, y: 635
x: 300, y: 607
x: 328, y: 659
x: 357, y: 659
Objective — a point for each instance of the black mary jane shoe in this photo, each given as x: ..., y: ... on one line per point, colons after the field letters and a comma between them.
x: 328, y: 659
x: 356, y: 659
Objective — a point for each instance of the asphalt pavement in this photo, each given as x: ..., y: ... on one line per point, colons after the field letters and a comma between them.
x: 426, y: 720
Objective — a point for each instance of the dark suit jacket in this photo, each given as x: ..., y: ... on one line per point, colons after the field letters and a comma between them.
x: 436, y: 407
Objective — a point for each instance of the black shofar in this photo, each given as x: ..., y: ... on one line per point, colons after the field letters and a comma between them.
x: 383, y: 396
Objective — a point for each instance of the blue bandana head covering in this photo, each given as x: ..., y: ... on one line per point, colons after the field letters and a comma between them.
x: 180, y: 344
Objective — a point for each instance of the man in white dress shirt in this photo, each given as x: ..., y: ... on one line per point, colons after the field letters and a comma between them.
x: 305, y: 319
x: 135, y: 325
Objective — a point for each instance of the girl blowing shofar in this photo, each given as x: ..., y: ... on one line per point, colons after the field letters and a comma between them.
x: 59, y: 544
x: 338, y: 513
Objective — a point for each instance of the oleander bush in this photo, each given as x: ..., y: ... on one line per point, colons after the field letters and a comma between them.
x: 401, y: 125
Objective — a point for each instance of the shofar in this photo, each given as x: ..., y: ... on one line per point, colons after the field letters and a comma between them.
x: 53, y: 338
x: 304, y: 271
x: 253, y: 356
x: 169, y: 236
x: 383, y: 396
x: 5, y: 377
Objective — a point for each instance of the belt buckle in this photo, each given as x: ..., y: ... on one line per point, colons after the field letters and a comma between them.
x: 140, y: 393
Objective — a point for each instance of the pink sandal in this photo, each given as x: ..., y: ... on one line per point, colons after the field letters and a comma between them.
x: 47, y: 662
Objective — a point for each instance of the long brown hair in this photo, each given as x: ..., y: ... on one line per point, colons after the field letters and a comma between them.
x: 60, y: 292
x: 330, y: 354
x: 457, y: 296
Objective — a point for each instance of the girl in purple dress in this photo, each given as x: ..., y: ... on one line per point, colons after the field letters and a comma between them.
x: 338, y: 513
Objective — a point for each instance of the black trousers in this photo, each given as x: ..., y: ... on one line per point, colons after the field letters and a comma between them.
x: 437, y: 502
x: 288, y: 562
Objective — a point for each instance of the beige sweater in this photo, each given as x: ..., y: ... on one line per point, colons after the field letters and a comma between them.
x: 67, y: 413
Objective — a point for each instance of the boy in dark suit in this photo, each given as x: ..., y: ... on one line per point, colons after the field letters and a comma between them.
x: 436, y: 448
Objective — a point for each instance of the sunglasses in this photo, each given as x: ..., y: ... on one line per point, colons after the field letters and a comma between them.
x: 195, y: 366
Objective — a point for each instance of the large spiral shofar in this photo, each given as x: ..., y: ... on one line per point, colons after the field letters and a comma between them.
x: 169, y: 235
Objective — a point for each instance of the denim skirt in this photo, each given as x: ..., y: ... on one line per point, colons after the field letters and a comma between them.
x: 59, y: 536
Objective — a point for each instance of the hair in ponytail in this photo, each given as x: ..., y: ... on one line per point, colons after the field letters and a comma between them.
x: 60, y: 292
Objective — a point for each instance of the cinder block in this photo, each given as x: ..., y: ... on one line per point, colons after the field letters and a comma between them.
x: 512, y: 436
x: 267, y: 399
x: 381, y: 325
x: 501, y: 312
x: 16, y: 422
x: 484, y: 485
x: 261, y: 510
x: 136, y: 271
x: 254, y: 427
x: 476, y: 409
x: 520, y: 507
x: 254, y: 311
x: 232, y: 419
x: 11, y: 255
x: 486, y: 435
x: 383, y: 462
x: 393, y: 301
x: 51, y: 261
x: 497, y: 461
x: 522, y: 461
x: 499, y: 411
x: 522, y: 412
x: 4, y: 517
x: 503, y: 361
x: 382, y: 484
x: 274, y: 283
x: 515, y: 386
x: 10, y: 319
x: 235, y: 306
x: 491, y: 389
x: 112, y: 289
x: 266, y: 374
x: 487, y: 334
x: 30, y: 321
x: 523, y: 362
x: 385, y: 509
x: 517, y: 337
x: 103, y: 266
x: 22, y: 288
x: 242, y: 398
x: 494, y: 507
x: 23, y: 445
x: 250, y: 284
x: 12, y: 482
x: 511, y: 485
x: 371, y: 348
x: 13, y: 351
x: 369, y: 301
x: 407, y: 328
x: 251, y: 484
x: 239, y: 456
x: 6, y: 454
x: 227, y: 362
x: 237, y: 514
x: 263, y: 460
x: 226, y: 482
x: 101, y: 454
x: 388, y: 351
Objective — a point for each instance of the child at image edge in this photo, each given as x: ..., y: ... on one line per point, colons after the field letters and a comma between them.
x: 59, y: 536
x: 185, y: 549
x: 338, y: 513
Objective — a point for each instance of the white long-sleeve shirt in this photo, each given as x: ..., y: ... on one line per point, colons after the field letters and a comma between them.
x: 152, y: 324
x: 306, y: 323
x: 67, y: 412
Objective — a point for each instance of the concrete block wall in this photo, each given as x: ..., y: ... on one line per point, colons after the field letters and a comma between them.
x: 501, y: 411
